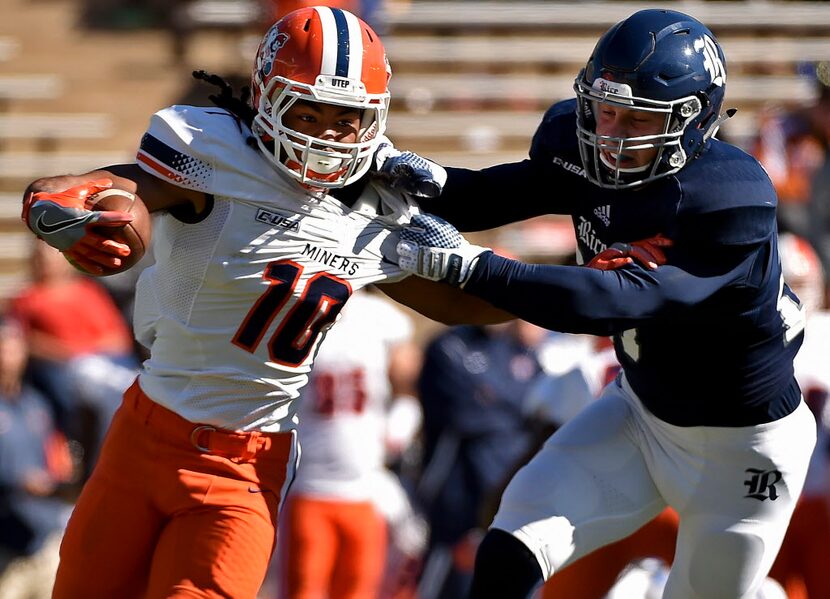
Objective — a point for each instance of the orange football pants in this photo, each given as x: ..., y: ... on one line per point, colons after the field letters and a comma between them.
x: 803, y: 563
x: 592, y: 576
x: 334, y: 549
x: 175, y: 509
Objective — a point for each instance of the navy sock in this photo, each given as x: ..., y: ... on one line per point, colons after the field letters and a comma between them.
x: 505, y: 568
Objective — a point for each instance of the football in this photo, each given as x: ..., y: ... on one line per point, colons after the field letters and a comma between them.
x: 136, y: 234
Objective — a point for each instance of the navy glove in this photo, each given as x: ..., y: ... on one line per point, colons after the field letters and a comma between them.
x: 432, y: 248
x: 408, y: 171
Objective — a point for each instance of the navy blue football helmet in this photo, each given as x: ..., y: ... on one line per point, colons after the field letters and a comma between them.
x: 658, y: 61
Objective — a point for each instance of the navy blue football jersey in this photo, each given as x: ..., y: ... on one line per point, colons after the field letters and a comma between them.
x: 707, y: 339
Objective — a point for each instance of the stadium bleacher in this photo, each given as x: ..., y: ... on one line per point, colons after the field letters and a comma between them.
x: 471, y: 79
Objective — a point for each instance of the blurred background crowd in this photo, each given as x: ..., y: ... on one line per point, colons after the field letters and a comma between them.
x: 409, y: 430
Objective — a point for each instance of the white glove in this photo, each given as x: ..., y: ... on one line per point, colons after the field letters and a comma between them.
x: 409, y: 171
x: 432, y: 248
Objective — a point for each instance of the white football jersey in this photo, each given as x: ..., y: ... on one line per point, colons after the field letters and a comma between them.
x: 236, y: 305
x: 343, y: 408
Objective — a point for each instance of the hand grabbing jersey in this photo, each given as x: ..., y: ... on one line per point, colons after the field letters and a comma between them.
x: 432, y: 248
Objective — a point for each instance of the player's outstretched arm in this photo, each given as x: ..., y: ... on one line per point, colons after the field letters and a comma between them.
x: 443, y: 303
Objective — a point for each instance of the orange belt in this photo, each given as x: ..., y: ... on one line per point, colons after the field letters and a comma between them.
x: 203, y: 437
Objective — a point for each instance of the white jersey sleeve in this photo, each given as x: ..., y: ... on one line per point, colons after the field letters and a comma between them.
x: 238, y: 302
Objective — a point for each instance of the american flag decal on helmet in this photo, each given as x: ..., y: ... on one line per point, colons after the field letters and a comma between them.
x: 342, y: 43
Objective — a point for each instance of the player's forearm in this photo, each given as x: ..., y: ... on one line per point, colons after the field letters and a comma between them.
x: 443, y: 303
x: 156, y: 193
x: 585, y: 300
x: 61, y: 182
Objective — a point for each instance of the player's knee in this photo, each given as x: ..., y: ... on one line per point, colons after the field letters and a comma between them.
x: 505, y: 568
x: 726, y: 565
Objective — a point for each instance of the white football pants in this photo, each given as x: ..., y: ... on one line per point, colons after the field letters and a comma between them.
x: 615, y: 466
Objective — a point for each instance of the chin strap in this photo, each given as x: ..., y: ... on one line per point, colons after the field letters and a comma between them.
x: 713, y: 128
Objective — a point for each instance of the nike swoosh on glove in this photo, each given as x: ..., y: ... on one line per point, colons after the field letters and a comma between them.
x: 409, y: 171
x: 647, y: 252
x: 65, y: 221
x: 432, y: 248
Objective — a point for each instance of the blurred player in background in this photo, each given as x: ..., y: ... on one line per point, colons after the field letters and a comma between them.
x: 473, y: 386
x: 267, y: 224
x: 358, y: 410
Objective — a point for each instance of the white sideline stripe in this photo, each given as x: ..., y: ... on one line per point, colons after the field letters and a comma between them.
x: 15, y: 246
x: 22, y: 165
x: 459, y: 86
x: 506, y: 123
x: 475, y: 160
x: 747, y: 15
x: 78, y: 126
x: 11, y: 283
x: 222, y: 13
x: 17, y: 87
x: 574, y: 50
x: 10, y: 204
x: 8, y: 48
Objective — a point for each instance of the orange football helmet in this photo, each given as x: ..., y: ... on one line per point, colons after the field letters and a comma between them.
x: 327, y: 55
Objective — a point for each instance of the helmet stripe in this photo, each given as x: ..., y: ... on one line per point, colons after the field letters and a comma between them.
x: 342, y: 41
x: 355, y: 46
x: 343, y: 50
x: 330, y: 41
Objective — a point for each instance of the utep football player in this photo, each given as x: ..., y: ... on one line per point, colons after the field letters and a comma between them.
x: 254, y: 261
x: 706, y: 416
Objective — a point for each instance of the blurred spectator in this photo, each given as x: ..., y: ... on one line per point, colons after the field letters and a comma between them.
x: 819, y: 218
x: 74, y: 331
x: 472, y: 388
x: 34, y: 463
x: 792, y: 145
x: 801, y: 565
x: 357, y: 410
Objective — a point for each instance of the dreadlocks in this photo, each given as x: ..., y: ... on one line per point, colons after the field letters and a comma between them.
x: 240, y: 106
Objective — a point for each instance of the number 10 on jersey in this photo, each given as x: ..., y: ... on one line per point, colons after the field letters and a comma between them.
x: 316, y: 307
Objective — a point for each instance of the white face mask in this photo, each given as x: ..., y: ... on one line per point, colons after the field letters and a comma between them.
x: 595, y: 149
x: 314, y: 162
